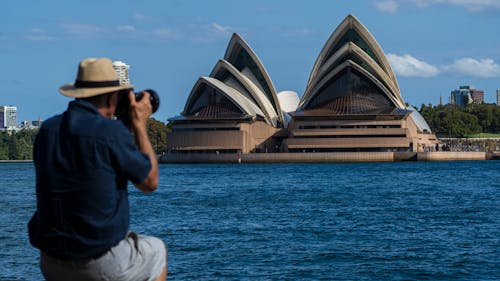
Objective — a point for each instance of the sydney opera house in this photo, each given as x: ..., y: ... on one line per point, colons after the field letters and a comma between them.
x: 352, y: 103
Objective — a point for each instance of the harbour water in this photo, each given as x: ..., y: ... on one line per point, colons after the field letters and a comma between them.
x: 337, y: 221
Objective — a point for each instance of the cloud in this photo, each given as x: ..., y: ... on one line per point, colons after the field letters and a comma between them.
x: 139, y: 17
x: 470, y: 5
x: 39, y: 37
x: 483, y: 68
x: 78, y: 29
x: 389, y: 6
x: 297, y: 32
x: 37, y: 34
x: 125, y: 28
x: 219, y: 30
x: 166, y: 33
x: 209, y: 33
x: 409, y: 66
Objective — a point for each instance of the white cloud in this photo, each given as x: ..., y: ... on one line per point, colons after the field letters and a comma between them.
x: 483, y: 68
x: 209, y: 33
x: 125, y: 28
x: 82, y: 29
x: 37, y: 30
x: 298, y: 32
x: 39, y: 37
x: 166, y: 33
x: 471, y: 5
x: 409, y: 66
x: 37, y: 34
x: 388, y: 6
x: 220, y: 30
x: 139, y: 17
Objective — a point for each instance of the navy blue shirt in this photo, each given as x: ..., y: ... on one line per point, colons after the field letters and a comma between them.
x: 82, y: 162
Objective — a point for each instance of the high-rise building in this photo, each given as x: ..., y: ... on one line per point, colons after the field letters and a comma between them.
x: 8, y: 117
x: 477, y: 96
x: 121, y: 69
x: 465, y: 95
x: 498, y: 97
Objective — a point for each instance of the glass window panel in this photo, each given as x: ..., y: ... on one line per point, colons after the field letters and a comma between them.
x: 349, y: 92
x: 229, y: 79
x: 352, y: 36
x: 209, y: 102
x: 244, y: 60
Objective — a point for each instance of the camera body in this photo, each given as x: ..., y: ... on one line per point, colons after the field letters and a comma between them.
x: 124, y: 104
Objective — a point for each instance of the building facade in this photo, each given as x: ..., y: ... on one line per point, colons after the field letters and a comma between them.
x: 8, y: 117
x: 233, y: 110
x: 352, y: 103
x: 465, y: 95
x: 477, y: 96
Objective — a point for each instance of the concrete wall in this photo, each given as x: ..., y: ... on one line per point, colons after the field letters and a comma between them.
x: 318, y: 157
x: 280, y: 157
x: 203, y: 140
x: 326, y: 157
x: 450, y: 155
x: 420, y: 140
x: 319, y: 143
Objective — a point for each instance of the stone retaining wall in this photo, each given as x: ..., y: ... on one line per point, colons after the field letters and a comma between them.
x: 318, y: 157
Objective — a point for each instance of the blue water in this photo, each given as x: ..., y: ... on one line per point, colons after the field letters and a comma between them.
x: 357, y: 221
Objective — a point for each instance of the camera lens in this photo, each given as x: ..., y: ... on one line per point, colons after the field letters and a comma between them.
x: 124, y: 104
x: 154, y: 99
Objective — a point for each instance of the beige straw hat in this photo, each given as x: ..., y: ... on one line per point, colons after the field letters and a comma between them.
x: 95, y: 77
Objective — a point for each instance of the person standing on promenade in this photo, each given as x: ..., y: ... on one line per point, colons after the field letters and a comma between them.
x: 83, y: 159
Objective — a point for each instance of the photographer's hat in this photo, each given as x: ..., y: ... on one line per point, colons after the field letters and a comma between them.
x: 95, y: 77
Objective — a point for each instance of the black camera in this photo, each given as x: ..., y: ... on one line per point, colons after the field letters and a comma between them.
x: 124, y: 103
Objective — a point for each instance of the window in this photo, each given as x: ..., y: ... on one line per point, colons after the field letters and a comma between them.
x: 209, y: 102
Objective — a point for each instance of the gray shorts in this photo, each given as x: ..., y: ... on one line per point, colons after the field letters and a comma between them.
x: 137, y: 257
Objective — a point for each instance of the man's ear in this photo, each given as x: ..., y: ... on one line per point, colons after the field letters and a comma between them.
x: 109, y: 99
x: 112, y: 99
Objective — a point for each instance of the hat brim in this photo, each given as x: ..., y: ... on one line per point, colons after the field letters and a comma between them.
x: 70, y: 90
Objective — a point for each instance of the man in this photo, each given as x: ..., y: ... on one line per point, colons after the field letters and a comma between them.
x: 83, y: 159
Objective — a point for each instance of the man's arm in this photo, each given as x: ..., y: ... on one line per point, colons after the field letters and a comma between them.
x: 139, y: 114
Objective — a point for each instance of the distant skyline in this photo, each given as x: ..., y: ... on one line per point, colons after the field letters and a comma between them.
x: 434, y: 46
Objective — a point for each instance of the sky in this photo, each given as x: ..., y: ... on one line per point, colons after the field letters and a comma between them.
x: 434, y: 46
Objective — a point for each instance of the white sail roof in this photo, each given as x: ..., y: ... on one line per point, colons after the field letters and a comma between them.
x: 352, y: 30
x: 243, y: 58
x: 244, y: 104
x: 228, y: 74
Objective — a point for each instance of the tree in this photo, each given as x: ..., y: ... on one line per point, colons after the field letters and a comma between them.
x: 4, y: 148
x: 454, y: 121
x: 157, y: 132
x: 13, y: 148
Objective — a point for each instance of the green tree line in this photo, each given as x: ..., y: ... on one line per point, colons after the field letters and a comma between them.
x: 157, y: 132
x: 454, y: 121
x: 19, y: 145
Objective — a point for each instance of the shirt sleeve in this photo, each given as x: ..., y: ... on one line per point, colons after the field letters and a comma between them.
x: 130, y: 161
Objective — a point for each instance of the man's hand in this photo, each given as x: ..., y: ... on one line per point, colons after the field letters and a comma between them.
x: 139, y: 113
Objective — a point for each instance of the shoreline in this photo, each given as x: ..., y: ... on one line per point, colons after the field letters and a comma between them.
x: 328, y: 157
x: 16, y: 161
x: 319, y: 157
